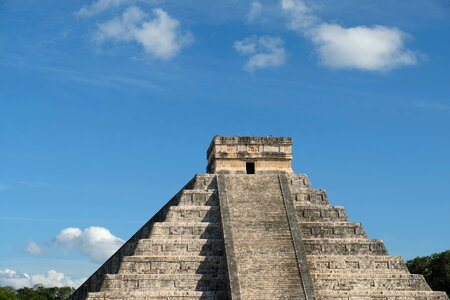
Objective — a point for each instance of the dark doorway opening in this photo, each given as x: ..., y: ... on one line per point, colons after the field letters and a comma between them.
x: 250, y: 167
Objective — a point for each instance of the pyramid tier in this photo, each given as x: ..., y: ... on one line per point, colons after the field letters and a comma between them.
x: 332, y: 230
x: 192, y: 230
x: 344, y: 246
x: 310, y: 196
x: 299, y: 182
x: 203, y: 182
x: 197, y: 213
x: 370, y: 281
x: 159, y: 295
x: 173, y: 265
x: 381, y: 294
x: 147, y: 247
x: 198, y: 198
x: 321, y: 213
x: 356, y: 264
x: 193, y: 282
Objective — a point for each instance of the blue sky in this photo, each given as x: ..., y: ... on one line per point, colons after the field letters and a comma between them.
x: 107, y: 108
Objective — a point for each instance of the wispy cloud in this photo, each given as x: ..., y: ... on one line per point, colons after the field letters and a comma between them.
x: 34, y: 248
x: 255, y: 11
x: 4, y: 187
x: 432, y: 105
x: 300, y: 15
x: 99, y: 6
x: 263, y: 52
x: 51, y: 279
x: 376, y: 48
x: 160, y: 36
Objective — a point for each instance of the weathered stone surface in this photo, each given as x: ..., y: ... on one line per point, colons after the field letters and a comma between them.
x: 264, y: 236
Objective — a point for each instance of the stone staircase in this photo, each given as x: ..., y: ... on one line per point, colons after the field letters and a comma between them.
x: 179, y: 254
x: 264, y: 253
x: 344, y: 263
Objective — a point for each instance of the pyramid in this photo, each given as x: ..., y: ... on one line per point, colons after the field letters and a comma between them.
x: 251, y: 229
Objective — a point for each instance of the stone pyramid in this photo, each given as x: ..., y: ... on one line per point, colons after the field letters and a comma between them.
x: 251, y: 229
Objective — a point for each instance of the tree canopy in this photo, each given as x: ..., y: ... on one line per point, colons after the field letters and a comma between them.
x: 435, y: 268
x: 38, y: 292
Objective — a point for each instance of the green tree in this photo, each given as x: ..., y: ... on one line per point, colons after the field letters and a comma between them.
x: 64, y: 292
x: 38, y: 292
x: 8, y: 293
x: 435, y: 268
x: 27, y: 293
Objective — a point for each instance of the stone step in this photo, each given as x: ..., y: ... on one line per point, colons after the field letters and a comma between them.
x: 173, y: 265
x: 203, y: 247
x: 198, y: 230
x: 193, y: 213
x: 198, y: 198
x: 193, y: 282
x: 160, y: 295
x: 332, y: 230
x: 288, y: 268
x: 325, y: 213
x: 344, y: 247
x: 356, y: 264
x: 267, y: 293
x: 379, y: 295
x: 387, y: 282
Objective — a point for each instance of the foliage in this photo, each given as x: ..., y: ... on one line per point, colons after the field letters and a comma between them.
x: 38, y: 292
x: 8, y: 293
x: 435, y: 268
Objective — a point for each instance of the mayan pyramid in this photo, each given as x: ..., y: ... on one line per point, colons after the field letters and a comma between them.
x: 252, y: 229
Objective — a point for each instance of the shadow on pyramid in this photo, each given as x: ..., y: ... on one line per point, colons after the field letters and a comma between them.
x: 252, y: 229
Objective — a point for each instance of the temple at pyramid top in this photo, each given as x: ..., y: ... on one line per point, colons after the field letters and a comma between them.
x: 249, y: 155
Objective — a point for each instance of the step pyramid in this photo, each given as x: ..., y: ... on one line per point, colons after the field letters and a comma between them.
x: 252, y: 229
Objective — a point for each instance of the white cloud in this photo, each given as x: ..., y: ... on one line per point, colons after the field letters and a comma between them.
x: 263, y: 52
x: 376, y: 48
x: 97, y: 243
x: 51, y: 279
x: 255, y: 10
x: 160, y: 36
x: 4, y: 187
x: 373, y: 49
x: 34, y: 248
x: 100, y: 6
